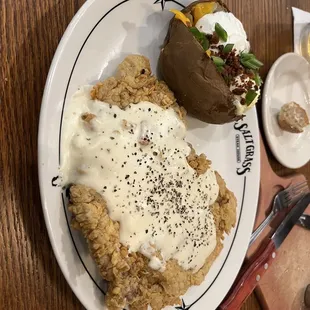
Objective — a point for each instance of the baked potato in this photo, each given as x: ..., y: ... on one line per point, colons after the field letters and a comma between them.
x: 209, y: 68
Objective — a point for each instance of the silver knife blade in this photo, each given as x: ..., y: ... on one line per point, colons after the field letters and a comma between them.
x: 304, y: 221
x: 290, y: 220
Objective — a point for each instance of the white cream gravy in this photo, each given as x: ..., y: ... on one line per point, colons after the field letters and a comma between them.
x: 136, y: 158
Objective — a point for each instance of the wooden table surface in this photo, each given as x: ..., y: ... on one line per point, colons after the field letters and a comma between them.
x: 30, y: 31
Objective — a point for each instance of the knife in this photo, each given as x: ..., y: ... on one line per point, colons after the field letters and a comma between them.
x: 304, y: 221
x: 266, y: 254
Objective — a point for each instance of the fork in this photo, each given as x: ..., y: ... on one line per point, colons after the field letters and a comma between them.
x: 281, y: 201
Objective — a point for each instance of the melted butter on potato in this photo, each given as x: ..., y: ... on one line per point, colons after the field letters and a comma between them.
x: 201, y: 9
x: 179, y: 15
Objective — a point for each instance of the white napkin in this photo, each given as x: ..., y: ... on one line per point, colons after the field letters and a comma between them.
x: 301, y: 19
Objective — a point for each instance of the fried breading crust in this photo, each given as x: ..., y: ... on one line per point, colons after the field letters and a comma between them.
x: 134, y: 83
x: 131, y: 280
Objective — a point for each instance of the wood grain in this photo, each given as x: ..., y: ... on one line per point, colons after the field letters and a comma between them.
x: 29, y: 33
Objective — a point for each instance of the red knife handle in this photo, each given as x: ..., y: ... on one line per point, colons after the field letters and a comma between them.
x: 249, y: 277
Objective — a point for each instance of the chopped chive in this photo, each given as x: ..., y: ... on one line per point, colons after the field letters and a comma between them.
x: 218, y: 61
x: 247, y: 56
x: 249, y: 60
x: 257, y: 79
x: 200, y: 37
x: 249, y: 65
x: 206, y: 43
x: 221, y: 32
x: 250, y: 96
x: 195, y: 32
x: 220, y: 69
x: 228, y: 48
x: 256, y: 62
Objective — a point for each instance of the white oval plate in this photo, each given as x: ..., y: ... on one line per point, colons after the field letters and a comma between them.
x: 288, y: 80
x: 99, y: 37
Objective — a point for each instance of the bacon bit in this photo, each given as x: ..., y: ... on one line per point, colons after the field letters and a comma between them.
x: 232, y: 69
x: 144, y: 138
x: 239, y: 91
x: 250, y: 84
x: 250, y: 74
x: 214, y: 39
x: 127, y: 125
x: 209, y: 37
x: 87, y: 117
x: 144, y: 141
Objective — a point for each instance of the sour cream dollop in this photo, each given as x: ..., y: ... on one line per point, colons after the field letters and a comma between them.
x: 238, y: 82
x: 231, y: 24
x: 137, y: 159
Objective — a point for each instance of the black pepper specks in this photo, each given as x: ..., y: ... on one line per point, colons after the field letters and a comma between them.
x: 151, y: 179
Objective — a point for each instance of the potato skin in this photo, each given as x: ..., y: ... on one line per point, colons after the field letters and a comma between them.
x: 193, y: 77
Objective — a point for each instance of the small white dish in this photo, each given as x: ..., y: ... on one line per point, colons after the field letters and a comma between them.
x: 288, y: 80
